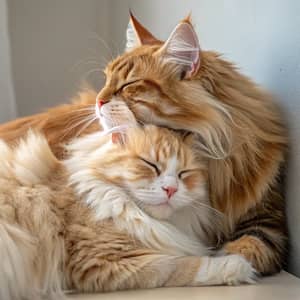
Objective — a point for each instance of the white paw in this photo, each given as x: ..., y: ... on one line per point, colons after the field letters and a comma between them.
x: 111, y: 204
x: 230, y: 270
x: 238, y: 270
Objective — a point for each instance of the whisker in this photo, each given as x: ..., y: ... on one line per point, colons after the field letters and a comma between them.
x: 198, y: 205
x: 95, y: 36
x: 84, y: 62
x: 84, y: 120
x: 88, y: 73
x: 83, y: 110
x: 85, y: 126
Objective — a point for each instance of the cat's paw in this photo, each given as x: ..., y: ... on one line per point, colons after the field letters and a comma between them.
x: 111, y: 205
x: 225, y: 270
x: 238, y: 270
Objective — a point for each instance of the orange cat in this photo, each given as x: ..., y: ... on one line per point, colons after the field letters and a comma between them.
x: 83, y: 225
x: 177, y: 85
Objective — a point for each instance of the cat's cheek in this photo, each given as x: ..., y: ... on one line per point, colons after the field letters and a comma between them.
x: 143, y: 113
x: 193, y: 181
x: 147, y: 115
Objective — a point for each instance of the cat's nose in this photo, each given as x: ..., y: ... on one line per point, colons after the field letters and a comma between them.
x: 170, y: 190
x: 100, y: 102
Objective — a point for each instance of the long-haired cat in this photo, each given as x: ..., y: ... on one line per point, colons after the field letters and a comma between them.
x: 178, y: 85
x: 108, y: 218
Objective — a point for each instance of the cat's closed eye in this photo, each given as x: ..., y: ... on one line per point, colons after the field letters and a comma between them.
x: 126, y: 84
x: 184, y: 173
x: 152, y: 165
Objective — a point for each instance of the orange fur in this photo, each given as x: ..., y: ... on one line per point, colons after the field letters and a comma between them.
x: 255, y: 250
x: 59, y: 124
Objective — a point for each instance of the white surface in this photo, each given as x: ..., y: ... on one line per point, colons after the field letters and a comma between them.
x: 281, y: 287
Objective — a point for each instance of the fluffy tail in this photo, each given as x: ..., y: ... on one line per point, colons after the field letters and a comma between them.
x: 29, y: 264
x: 29, y: 162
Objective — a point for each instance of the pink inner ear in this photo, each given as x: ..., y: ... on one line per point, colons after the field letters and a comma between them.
x: 183, y: 48
x: 116, y: 137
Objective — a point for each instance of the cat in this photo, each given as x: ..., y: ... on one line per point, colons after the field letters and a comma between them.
x: 105, y: 219
x: 59, y: 124
x: 178, y: 85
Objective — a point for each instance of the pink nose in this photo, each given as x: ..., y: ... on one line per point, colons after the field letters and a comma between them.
x: 170, y: 190
x: 100, y: 102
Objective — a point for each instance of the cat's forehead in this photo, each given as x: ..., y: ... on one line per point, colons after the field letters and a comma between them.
x: 167, y: 149
x: 140, y: 55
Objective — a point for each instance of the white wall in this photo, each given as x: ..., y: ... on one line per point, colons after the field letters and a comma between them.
x: 7, y: 99
x: 53, y: 43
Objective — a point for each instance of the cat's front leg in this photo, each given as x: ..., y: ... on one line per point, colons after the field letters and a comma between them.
x: 105, y: 259
x: 146, y: 268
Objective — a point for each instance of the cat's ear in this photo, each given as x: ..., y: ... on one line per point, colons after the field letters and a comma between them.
x: 118, y: 138
x: 138, y: 35
x: 183, y: 49
x: 119, y: 134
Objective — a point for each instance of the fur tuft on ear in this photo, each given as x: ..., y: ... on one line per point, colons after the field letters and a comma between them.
x: 137, y: 34
x: 183, y: 49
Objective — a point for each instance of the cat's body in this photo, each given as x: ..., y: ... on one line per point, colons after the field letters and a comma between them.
x: 239, y: 126
x: 69, y: 225
x: 59, y: 124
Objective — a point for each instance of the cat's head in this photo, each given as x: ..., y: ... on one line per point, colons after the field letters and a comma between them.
x: 155, y: 167
x: 162, y: 171
x: 161, y: 82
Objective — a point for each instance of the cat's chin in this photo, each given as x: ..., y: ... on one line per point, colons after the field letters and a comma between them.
x: 161, y: 211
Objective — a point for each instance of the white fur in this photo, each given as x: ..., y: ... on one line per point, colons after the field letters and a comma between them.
x: 158, y: 234
x: 230, y: 270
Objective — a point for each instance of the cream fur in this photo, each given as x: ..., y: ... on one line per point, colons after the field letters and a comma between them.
x: 29, y: 269
x: 51, y: 240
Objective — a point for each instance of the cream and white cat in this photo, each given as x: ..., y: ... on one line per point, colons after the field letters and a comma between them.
x: 112, y: 216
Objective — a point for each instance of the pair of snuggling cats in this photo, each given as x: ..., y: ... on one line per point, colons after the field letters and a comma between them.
x: 142, y: 207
